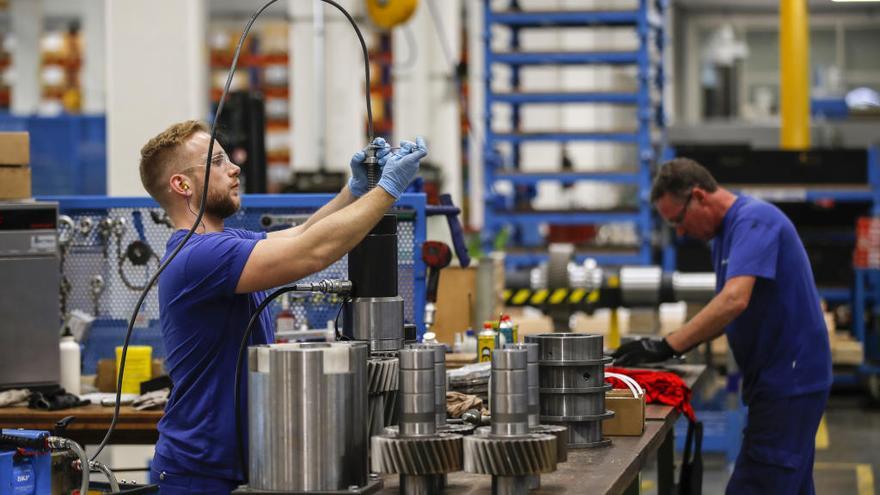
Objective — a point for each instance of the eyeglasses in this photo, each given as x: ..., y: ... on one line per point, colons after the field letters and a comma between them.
x: 217, y: 161
x: 676, y: 222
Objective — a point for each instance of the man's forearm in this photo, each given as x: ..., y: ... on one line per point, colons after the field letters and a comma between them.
x: 340, y: 201
x: 705, y: 325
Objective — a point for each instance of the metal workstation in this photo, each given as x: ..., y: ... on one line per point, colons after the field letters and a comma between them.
x: 428, y: 247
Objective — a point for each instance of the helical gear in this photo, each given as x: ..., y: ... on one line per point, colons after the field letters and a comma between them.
x: 436, y: 454
x: 510, y: 455
x: 561, y: 434
x: 382, y: 375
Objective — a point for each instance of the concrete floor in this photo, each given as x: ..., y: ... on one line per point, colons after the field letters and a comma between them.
x: 847, y: 452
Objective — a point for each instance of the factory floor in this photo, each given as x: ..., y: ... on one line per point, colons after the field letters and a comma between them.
x: 847, y: 452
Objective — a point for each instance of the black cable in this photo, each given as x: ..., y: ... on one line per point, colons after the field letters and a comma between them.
x: 348, y: 16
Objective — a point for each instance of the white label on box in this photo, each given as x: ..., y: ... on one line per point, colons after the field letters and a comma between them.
x: 44, y: 242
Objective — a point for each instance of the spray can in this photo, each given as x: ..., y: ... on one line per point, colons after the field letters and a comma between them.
x: 487, y: 341
x: 508, y: 330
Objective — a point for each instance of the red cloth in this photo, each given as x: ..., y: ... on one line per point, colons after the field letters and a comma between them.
x: 661, y: 387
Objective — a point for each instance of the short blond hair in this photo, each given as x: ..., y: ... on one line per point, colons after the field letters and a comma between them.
x: 160, y: 153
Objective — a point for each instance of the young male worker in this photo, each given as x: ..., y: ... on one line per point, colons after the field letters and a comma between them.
x: 212, y: 287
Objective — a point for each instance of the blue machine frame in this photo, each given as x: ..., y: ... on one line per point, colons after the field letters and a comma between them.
x: 650, y: 114
x: 415, y: 202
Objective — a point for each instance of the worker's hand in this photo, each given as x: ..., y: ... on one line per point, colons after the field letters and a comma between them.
x: 642, y: 351
x: 402, y: 166
x: 357, y: 184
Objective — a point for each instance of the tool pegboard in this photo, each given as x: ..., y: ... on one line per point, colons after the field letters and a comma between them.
x: 111, y: 246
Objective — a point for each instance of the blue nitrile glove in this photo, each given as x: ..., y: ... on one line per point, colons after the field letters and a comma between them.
x: 358, y: 181
x: 402, y: 166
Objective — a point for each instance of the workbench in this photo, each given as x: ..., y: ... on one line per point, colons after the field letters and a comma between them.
x: 607, y: 470
x: 90, y: 426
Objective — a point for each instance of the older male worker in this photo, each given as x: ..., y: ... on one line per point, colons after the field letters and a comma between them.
x: 768, y: 306
x: 212, y: 287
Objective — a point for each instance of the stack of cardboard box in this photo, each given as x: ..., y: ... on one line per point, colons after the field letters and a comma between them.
x: 15, y: 170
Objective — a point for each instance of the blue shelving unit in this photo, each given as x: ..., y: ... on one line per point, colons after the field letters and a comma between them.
x: 647, y: 20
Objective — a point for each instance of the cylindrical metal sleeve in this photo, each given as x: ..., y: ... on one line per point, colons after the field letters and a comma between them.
x: 417, y: 417
x: 439, y: 379
x: 533, y: 379
x: 567, y: 347
x: 641, y: 285
x: 510, y: 388
x: 378, y: 320
x: 307, y: 410
x: 693, y: 287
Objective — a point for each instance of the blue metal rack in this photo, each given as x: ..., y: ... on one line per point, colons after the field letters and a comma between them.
x: 647, y: 20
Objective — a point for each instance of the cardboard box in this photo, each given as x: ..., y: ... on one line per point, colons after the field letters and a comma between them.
x: 629, y: 414
x: 456, y: 297
x: 15, y: 148
x: 15, y: 182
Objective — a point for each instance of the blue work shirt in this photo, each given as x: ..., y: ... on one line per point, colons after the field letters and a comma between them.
x: 780, y: 341
x: 203, y: 321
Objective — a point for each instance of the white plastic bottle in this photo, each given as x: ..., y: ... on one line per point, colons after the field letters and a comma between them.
x: 70, y: 365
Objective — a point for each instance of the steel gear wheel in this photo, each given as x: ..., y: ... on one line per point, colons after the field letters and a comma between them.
x: 436, y: 454
x: 510, y: 455
x: 382, y: 375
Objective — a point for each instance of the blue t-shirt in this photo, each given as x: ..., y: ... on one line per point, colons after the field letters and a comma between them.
x: 203, y: 321
x: 780, y: 341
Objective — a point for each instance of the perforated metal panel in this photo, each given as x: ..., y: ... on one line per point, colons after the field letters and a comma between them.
x: 104, y: 228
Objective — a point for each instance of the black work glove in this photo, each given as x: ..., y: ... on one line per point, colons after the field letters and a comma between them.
x: 642, y: 351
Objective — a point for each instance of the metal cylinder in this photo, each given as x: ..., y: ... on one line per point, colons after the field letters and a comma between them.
x: 376, y: 312
x: 439, y: 380
x: 379, y: 321
x: 306, y: 408
x: 640, y: 285
x: 572, y: 384
x: 693, y: 287
x: 533, y: 380
x: 511, y: 485
x: 510, y: 389
x: 417, y: 392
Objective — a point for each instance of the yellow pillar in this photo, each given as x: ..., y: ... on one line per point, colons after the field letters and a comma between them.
x: 794, y: 71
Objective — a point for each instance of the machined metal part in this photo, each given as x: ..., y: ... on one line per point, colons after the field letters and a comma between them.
x: 382, y: 378
x: 532, y: 374
x: 560, y: 255
x: 306, y: 408
x: 416, y: 450
x: 439, y: 380
x: 693, y: 287
x: 507, y: 449
x: 327, y: 286
x: 572, y: 385
x: 640, y: 285
x: 379, y: 321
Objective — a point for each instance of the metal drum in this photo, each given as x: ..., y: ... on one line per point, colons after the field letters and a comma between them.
x: 572, y: 385
x: 307, y: 405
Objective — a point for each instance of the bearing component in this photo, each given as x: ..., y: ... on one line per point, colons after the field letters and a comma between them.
x: 415, y: 449
x: 572, y: 385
